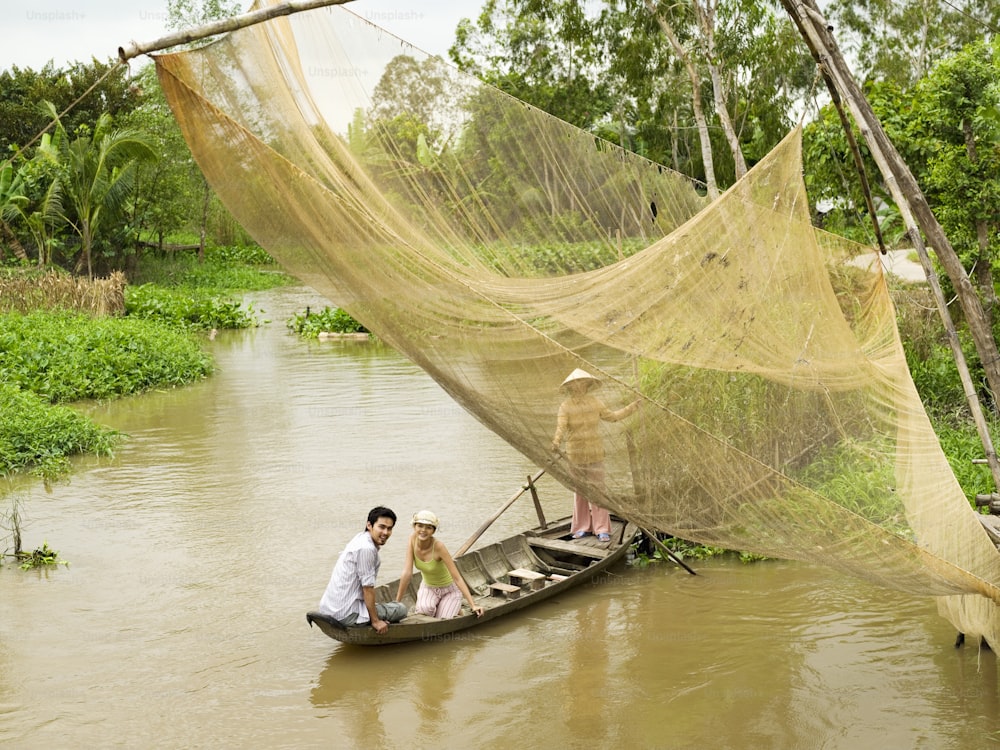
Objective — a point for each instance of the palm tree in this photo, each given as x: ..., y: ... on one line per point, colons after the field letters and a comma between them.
x: 98, y: 173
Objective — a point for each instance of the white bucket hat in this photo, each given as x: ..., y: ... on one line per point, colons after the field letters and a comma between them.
x: 579, y: 374
x: 425, y: 517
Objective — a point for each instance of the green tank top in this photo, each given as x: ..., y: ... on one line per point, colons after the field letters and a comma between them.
x: 434, y: 571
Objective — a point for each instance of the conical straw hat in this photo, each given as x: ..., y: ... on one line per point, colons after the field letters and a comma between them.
x: 579, y: 374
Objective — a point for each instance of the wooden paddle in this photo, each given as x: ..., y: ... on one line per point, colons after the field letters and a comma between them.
x: 489, y: 522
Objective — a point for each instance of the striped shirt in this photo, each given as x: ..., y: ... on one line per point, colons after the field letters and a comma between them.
x: 356, y: 567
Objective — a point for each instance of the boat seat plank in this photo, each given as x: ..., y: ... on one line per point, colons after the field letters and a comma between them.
x: 528, y: 575
x: 493, y: 561
x: 505, y: 590
x: 522, y: 577
x: 558, y: 545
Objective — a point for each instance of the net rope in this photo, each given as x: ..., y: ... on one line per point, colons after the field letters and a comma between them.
x: 501, y: 249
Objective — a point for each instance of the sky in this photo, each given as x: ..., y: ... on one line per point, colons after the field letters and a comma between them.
x: 67, y: 31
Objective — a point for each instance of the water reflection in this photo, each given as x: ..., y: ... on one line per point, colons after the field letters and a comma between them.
x: 583, y: 706
x: 395, y: 694
x: 346, y: 689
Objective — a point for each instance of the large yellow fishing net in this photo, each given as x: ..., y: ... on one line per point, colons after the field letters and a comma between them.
x: 501, y: 249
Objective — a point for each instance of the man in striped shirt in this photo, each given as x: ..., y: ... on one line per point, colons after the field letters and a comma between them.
x: 350, y: 595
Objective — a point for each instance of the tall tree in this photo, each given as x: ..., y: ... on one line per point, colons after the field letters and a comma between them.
x: 650, y: 90
x: 900, y: 40
x: 954, y: 144
x: 419, y: 96
x: 21, y: 89
x: 12, y: 205
x: 738, y: 62
x: 41, y: 174
x: 548, y: 54
x: 690, y: 62
x: 186, y: 14
x: 169, y: 191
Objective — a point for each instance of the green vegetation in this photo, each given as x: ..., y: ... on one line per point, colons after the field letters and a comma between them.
x: 38, y: 436
x: 223, y: 269
x: 546, y: 259
x: 185, y: 309
x: 39, y: 557
x: 199, y: 294
x: 646, y: 555
x: 310, y: 324
x: 935, y: 375
x: 65, y: 357
x: 681, y: 547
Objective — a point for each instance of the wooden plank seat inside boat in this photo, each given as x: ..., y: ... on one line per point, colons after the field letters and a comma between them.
x: 522, y: 577
x: 493, y: 562
x: 576, y: 547
x: 519, y: 554
x: 505, y: 590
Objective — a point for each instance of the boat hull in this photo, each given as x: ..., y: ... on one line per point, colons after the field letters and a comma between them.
x: 562, y: 563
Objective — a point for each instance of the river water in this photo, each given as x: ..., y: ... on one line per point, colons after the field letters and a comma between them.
x: 195, y: 553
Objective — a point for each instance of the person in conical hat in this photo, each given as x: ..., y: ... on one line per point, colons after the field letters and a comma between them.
x: 578, y: 423
x: 580, y: 375
x: 441, y: 586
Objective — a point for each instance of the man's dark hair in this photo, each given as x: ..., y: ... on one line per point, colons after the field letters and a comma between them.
x: 380, y: 512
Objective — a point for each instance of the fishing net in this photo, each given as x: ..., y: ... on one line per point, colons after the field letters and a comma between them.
x: 500, y: 249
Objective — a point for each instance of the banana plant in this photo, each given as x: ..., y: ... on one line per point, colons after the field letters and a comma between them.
x: 13, y: 202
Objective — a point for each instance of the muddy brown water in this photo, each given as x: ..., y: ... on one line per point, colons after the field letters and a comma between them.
x: 196, y: 552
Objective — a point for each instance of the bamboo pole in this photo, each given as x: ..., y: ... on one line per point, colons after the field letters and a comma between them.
x: 221, y: 26
x: 542, y: 523
x: 666, y: 550
x: 913, y: 208
x: 489, y: 522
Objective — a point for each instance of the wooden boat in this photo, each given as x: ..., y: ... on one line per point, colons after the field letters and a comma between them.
x: 504, y: 577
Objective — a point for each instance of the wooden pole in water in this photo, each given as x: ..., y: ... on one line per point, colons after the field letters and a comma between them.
x: 666, y: 550
x: 542, y: 523
x: 222, y: 26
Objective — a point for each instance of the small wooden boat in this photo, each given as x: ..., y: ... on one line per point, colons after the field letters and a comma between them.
x: 504, y: 577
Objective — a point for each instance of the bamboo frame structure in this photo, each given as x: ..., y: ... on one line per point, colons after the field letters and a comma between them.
x: 221, y: 26
x: 912, y: 204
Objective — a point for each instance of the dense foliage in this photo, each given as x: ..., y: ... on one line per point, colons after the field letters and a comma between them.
x: 97, y: 189
x: 23, y: 89
x: 38, y: 436
x: 65, y: 357
x: 186, y: 292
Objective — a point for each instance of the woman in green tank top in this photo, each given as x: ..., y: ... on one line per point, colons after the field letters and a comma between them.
x: 442, y: 586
